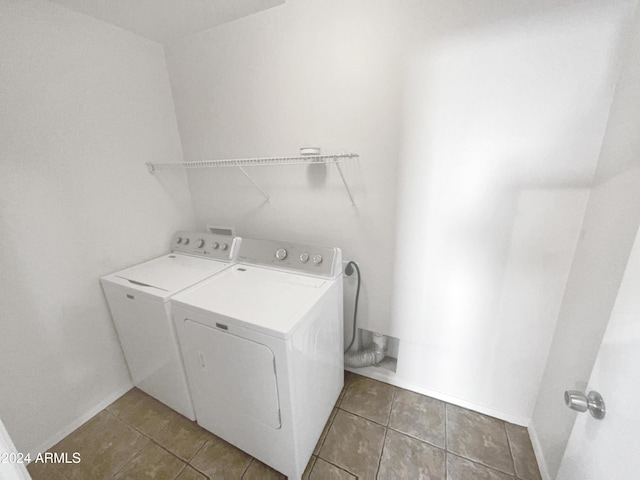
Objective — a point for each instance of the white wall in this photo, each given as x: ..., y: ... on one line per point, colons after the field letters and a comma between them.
x: 610, y: 225
x: 299, y: 75
x: 83, y: 106
x: 503, y: 126
x: 484, y: 121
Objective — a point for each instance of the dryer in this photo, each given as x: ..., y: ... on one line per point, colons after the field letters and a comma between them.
x: 262, y: 346
x: 138, y: 299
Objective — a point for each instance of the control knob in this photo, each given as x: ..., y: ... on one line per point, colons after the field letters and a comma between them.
x: 215, y: 245
x: 281, y: 254
x: 224, y: 246
x: 317, y: 259
x: 200, y: 243
x: 179, y: 240
x: 304, y: 257
x: 186, y: 241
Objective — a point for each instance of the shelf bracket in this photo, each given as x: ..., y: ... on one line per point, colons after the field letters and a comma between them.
x: 254, y: 183
x: 346, y: 185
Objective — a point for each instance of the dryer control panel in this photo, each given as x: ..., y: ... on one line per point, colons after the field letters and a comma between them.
x: 211, y: 245
x: 304, y: 258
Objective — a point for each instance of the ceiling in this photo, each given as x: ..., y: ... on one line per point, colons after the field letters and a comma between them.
x: 167, y: 20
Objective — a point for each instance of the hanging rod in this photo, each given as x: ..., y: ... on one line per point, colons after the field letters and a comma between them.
x: 265, y: 161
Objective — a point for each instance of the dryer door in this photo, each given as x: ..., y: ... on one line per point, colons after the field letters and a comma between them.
x: 233, y: 379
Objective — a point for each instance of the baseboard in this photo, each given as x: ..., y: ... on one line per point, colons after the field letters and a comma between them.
x: 67, y: 429
x: 537, y: 449
x: 385, y: 375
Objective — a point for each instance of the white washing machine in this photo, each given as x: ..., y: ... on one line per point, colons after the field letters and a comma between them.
x: 138, y: 299
x: 262, y: 346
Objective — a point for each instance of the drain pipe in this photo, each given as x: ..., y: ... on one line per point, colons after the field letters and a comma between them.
x: 371, y: 355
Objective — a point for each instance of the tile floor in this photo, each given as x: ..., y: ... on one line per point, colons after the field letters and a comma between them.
x: 375, y: 431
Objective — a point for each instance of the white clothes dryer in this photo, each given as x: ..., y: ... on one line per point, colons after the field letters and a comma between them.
x: 262, y: 346
x: 138, y: 299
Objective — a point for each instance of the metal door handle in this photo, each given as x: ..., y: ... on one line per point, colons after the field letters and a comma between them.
x: 593, y: 402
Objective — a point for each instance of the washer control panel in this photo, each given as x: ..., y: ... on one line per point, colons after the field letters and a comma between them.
x: 314, y: 259
x: 211, y: 245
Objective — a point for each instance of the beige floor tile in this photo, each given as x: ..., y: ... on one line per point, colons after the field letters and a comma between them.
x: 323, y: 470
x: 354, y: 444
x: 190, y: 474
x: 419, y: 416
x: 479, y: 438
x: 459, y: 468
x: 153, y: 462
x: 44, y: 471
x: 323, y: 435
x: 221, y: 460
x: 407, y: 457
x: 149, y: 416
x: 524, y: 458
x: 182, y: 437
x: 259, y: 471
x: 368, y: 398
x: 105, y: 445
x: 126, y: 401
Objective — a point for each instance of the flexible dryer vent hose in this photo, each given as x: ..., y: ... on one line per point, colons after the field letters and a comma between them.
x: 372, y: 355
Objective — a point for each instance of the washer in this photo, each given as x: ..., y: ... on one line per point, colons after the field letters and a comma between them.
x: 262, y: 346
x: 138, y: 299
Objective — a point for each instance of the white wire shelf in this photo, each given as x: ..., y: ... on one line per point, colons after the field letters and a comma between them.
x: 241, y: 163
x: 257, y: 162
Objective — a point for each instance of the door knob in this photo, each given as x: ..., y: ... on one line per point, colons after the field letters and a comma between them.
x: 593, y: 402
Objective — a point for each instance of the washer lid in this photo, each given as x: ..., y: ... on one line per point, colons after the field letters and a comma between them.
x: 169, y: 273
x: 259, y: 298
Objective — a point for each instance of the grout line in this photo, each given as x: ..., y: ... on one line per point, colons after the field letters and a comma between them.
x: 180, y: 472
x: 513, y: 460
x: 333, y: 464
x: 195, y: 455
x: 484, y: 465
x: 418, y: 439
x: 393, y: 400
x: 364, y: 418
x: 135, y: 428
x: 446, y: 442
x: 200, y: 472
x: 384, y: 442
x: 247, y: 468
x: 136, y: 455
x: 473, y: 459
x: 169, y: 452
x: 332, y: 417
x: 446, y: 425
x: 446, y: 465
